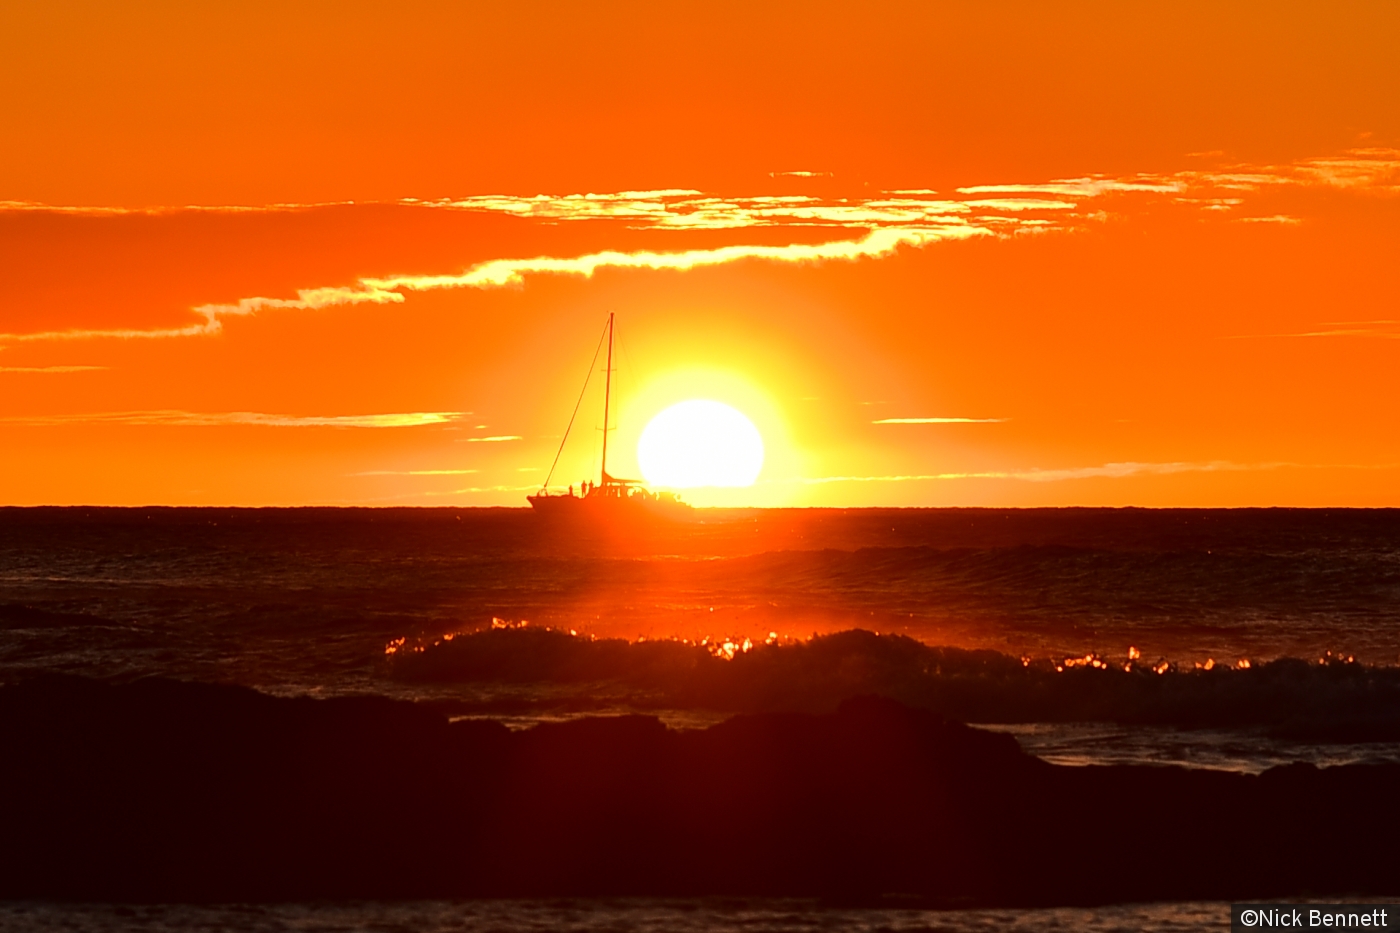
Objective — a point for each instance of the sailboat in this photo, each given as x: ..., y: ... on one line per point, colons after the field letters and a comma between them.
x: 611, y: 498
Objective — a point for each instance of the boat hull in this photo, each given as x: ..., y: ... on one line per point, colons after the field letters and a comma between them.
x: 604, y: 510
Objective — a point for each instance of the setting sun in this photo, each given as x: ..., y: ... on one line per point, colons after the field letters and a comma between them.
x: 700, y: 443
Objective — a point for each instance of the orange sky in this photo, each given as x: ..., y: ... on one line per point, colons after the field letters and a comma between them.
x: 360, y: 254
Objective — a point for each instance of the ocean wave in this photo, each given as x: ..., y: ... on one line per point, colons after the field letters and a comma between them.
x: 1330, y: 696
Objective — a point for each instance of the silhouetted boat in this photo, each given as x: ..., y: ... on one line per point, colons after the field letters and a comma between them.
x: 611, y: 499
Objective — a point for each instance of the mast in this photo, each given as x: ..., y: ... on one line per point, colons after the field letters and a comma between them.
x: 607, y: 397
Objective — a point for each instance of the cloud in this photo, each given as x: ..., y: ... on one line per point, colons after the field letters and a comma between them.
x: 157, y: 211
x: 502, y: 272
x: 307, y: 299
x: 1349, y: 332
x: 202, y: 419
x: 940, y: 421
x: 1021, y: 204
x: 210, y: 326
x: 1107, y: 470
x: 902, y: 478
x: 1212, y: 204
x: 470, y: 489
x: 863, y: 228
x: 1384, y: 330
x: 490, y: 440
x: 51, y: 369
x: 1371, y: 170
x: 1358, y: 168
x: 689, y: 210
x: 1234, y: 181
x: 1132, y: 468
x: 413, y: 473
x: 1089, y: 187
x: 622, y: 205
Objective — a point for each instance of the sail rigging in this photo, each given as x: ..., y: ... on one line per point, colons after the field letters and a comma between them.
x: 607, y: 395
x: 607, y: 332
x: 611, y: 494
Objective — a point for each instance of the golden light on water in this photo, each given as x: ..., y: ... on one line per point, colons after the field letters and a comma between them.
x: 700, y: 443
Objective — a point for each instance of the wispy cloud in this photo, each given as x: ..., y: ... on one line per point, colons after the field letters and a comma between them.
x: 474, y: 489
x: 692, y: 210
x: 1107, y: 470
x: 1384, y: 330
x: 940, y: 421
x: 1213, y: 204
x: 159, y: 210
x: 413, y: 473
x: 1374, y: 169
x: 640, y: 206
x: 861, y: 228
x: 1021, y: 204
x: 307, y: 299
x: 209, y: 326
x: 495, y: 439
x: 1131, y: 468
x: 1089, y: 187
x: 1359, y: 168
x: 51, y: 369
x: 503, y: 272
x: 263, y: 419
x: 899, y: 478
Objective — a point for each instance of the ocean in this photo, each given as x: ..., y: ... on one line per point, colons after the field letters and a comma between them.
x: 613, y: 915
x: 1230, y: 640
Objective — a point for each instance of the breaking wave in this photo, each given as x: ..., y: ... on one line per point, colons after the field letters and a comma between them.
x: 1325, y: 699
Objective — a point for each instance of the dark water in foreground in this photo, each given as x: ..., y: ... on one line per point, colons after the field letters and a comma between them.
x: 1232, y: 639
x: 596, y: 916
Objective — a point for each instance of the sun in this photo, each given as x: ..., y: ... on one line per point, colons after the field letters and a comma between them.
x: 700, y: 443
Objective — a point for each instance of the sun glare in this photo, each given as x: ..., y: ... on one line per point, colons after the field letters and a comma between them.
x: 700, y: 443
